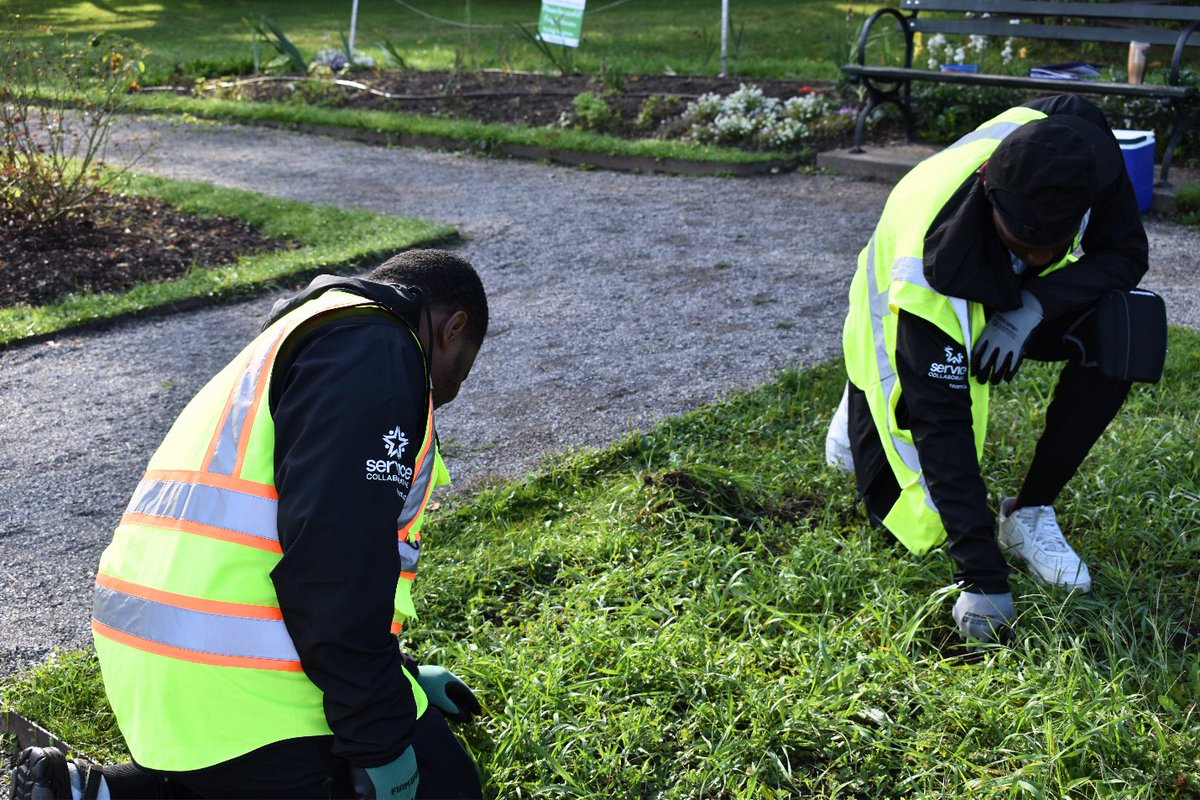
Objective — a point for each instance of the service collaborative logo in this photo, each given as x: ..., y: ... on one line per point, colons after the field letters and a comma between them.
x: 395, y: 441
x: 953, y: 369
x: 390, y: 469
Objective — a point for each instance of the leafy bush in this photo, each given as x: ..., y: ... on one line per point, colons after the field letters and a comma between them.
x: 656, y: 109
x: 748, y: 118
x: 592, y: 113
x: 51, y: 141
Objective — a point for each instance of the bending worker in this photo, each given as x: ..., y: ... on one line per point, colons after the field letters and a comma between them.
x: 245, y: 612
x: 1021, y: 240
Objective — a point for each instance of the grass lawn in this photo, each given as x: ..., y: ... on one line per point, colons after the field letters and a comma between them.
x: 769, y: 38
x: 330, y: 239
x: 701, y: 611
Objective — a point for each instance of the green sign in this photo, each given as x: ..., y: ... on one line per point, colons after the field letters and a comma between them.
x: 561, y: 22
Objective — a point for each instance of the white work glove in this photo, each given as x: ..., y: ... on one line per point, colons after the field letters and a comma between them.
x: 1001, y: 346
x: 984, y: 617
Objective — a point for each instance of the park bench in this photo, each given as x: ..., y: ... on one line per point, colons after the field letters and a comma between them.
x: 1114, y: 23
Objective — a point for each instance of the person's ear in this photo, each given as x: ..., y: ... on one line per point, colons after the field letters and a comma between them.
x: 454, y: 326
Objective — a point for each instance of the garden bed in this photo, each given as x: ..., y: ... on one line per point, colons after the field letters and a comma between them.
x: 634, y: 106
x: 122, y: 241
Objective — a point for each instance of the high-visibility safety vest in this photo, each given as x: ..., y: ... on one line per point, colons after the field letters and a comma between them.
x: 891, y: 277
x: 197, y: 663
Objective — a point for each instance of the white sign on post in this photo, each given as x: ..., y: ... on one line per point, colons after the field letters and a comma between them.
x: 561, y: 22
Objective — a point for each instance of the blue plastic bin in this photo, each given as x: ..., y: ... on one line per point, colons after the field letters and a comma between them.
x: 1138, y: 149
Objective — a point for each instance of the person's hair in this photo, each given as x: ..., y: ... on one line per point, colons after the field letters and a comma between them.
x: 446, y: 280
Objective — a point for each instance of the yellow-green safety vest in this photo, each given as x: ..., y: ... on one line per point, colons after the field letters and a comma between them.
x: 891, y: 277
x: 197, y: 663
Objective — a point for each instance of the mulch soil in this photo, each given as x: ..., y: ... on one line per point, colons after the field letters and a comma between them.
x: 120, y: 241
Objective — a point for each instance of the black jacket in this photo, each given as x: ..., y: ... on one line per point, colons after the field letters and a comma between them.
x: 965, y: 258
x: 348, y: 388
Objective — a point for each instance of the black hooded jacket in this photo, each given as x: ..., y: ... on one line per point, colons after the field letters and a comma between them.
x: 347, y: 389
x: 964, y: 257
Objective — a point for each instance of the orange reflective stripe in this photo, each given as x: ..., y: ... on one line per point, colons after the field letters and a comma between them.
x: 189, y: 601
x: 422, y: 482
x: 195, y: 656
x: 211, y: 531
x: 213, y: 479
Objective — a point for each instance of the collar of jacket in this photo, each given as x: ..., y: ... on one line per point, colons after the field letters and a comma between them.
x: 964, y: 256
x: 403, y: 302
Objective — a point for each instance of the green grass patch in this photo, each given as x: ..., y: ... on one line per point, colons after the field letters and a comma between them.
x: 768, y: 38
x: 701, y: 611
x: 330, y: 239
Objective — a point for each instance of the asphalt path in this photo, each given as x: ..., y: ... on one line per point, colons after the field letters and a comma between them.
x: 616, y: 300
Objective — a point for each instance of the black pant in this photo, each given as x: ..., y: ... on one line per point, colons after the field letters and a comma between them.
x: 304, y: 768
x: 1085, y: 401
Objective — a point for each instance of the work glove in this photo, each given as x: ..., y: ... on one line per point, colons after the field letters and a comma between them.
x: 447, y: 693
x: 1001, y: 346
x: 984, y: 617
x: 395, y: 780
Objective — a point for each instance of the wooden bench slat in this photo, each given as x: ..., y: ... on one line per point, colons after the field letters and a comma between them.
x: 1055, y: 8
x: 1022, y: 82
x: 1081, y: 33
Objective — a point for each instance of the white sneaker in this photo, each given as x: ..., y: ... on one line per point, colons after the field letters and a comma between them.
x: 1032, y: 534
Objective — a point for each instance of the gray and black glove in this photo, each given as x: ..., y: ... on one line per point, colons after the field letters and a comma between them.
x: 395, y: 780
x: 998, y: 352
x: 448, y: 693
x: 984, y: 617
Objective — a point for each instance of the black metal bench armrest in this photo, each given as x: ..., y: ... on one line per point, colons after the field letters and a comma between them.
x: 1177, y: 58
x: 902, y: 19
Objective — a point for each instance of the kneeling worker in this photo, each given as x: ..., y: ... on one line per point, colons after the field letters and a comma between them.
x: 1021, y: 240
x: 245, y: 612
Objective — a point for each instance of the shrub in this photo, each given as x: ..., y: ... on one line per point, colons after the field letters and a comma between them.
x: 56, y: 106
x: 656, y: 109
x: 748, y: 118
x: 592, y: 113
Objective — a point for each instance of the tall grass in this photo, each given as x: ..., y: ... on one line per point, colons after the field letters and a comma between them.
x: 796, y: 38
x: 700, y: 611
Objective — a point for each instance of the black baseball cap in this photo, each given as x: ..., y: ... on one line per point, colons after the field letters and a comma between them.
x: 1046, y: 174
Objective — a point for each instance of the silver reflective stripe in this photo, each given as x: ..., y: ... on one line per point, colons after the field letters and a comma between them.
x: 410, y: 554
x: 997, y: 130
x: 225, y: 455
x: 417, y: 493
x: 911, y: 269
x: 201, y: 631
x: 232, y: 510
x: 879, y: 309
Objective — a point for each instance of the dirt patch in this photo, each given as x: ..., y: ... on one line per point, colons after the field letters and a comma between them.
x: 123, y: 240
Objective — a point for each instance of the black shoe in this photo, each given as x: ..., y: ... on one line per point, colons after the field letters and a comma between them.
x: 41, y: 773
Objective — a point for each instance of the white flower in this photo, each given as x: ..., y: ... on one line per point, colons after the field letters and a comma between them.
x: 1006, y: 55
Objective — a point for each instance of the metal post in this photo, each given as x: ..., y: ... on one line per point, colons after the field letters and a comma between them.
x: 353, y: 24
x: 724, y: 38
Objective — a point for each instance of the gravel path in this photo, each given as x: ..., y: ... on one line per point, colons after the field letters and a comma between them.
x: 616, y: 300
